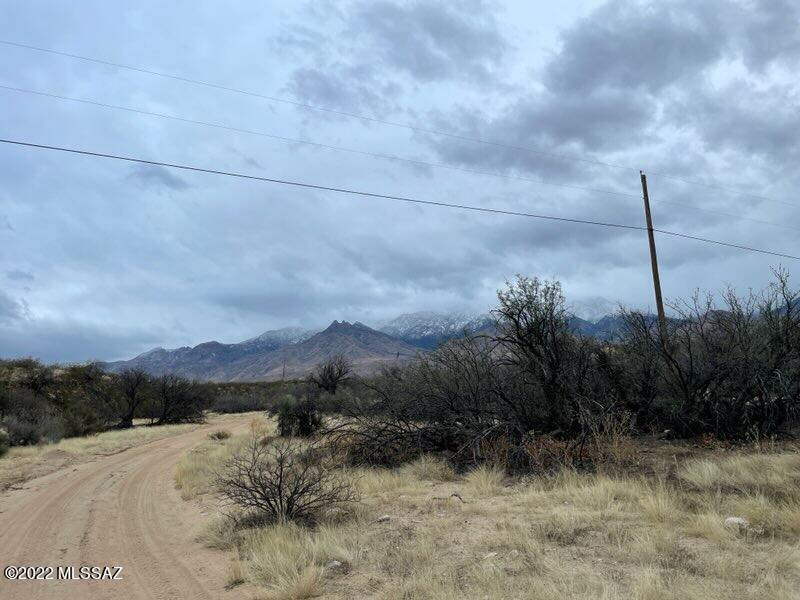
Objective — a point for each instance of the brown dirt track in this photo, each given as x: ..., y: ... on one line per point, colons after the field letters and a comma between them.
x: 118, y: 510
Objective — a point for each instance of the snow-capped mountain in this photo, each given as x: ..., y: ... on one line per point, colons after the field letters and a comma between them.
x: 287, y: 352
x: 293, y: 351
x: 276, y: 338
x: 428, y: 329
x: 593, y: 309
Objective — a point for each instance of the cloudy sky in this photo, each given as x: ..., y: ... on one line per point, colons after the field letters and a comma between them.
x: 102, y: 259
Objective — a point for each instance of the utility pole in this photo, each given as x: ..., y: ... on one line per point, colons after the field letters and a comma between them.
x: 662, y: 319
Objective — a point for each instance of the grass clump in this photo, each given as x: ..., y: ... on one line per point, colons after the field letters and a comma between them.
x: 430, y: 468
x: 484, y: 481
x: 772, y: 475
x: 290, y: 560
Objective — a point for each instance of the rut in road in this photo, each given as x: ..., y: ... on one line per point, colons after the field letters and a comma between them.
x: 118, y: 510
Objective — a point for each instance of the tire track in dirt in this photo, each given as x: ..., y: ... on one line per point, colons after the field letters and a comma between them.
x: 119, y: 510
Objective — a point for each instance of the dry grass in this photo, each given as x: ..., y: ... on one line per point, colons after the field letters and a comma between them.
x: 196, y: 470
x: 430, y: 468
x: 24, y: 463
x: 771, y: 474
x: 484, y: 481
x: 291, y: 562
x: 571, y: 535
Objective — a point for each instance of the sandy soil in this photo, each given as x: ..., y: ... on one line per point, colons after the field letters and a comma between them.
x: 121, y: 510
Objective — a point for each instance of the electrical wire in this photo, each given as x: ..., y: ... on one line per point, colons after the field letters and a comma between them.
x: 390, y: 157
x: 366, y: 118
x: 384, y: 196
x: 289, y: 140
x: 309, y: 106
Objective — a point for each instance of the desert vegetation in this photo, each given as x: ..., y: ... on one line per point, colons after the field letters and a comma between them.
x: 42, y: 404
x: 525, y: 461
x: 533, y: 396
x: 657, y: 519
x: 531, y: 462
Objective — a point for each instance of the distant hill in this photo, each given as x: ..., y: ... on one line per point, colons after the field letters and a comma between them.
x: 211, y: 360
x: 606, y: 328
x: 294, y: 351
x: 274, y: 355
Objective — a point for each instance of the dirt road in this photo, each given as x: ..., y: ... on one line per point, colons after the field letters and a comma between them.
x: 121, y: 510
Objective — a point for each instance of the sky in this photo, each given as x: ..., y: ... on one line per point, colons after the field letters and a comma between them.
x: 103, y: 259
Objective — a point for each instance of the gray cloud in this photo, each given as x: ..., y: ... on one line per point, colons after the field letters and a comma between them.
x: 10, y: 309
x: 771, y: 34
x: 19, y: 275
x: 758, y: 122
x: 634, y: 46
x: 569, y: 125
x: 153, y: 175
x: 353, y: 88
x: 701, y: 90
x: 72, y: 341
x: 432, y: 41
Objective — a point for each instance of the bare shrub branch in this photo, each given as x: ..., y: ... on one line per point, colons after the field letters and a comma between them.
x: 282, y: 481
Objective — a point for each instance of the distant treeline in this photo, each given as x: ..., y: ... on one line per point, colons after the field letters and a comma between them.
x: 534, y: 392
x: 41, y: 403
x: 727, y: 367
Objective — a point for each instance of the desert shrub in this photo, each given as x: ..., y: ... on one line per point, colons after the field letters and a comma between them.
x: 122, y: 396
x: 219, y: 434
x: 81, y: 416
x: 533, y: 330
x: 31, y: 419
x: 232, y: 402
x: 33, y: 375
x: 442, y: 402
x: 536, y: 397
x: 731, y: 370
x: 374, y: 442
x: 5, y: 441
x: 298, y: 417
x: 23, y: 432
x: 280, y: 482
x: 175, y: 399
x: 332, y: 373
x: 133, y: 387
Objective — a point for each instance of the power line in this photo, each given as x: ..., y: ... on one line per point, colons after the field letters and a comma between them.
x: 299, y: 104
x: 289, y: 140
x: 382, y: 196
x: 316, y: 186
x: 370, y: 119
x: 390, y: 157
x: 728, y: 244
x: 725, y: 188
x: 729, y: 215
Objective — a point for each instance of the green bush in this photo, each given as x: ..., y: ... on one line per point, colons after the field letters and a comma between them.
x: 5, y: 442
x: 298, y: 417
x: 232, y: 402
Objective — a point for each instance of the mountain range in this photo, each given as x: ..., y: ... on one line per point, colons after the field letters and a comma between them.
x: 292, y: 352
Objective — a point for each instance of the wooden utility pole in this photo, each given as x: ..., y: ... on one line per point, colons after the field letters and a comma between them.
x: 662, y: 319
